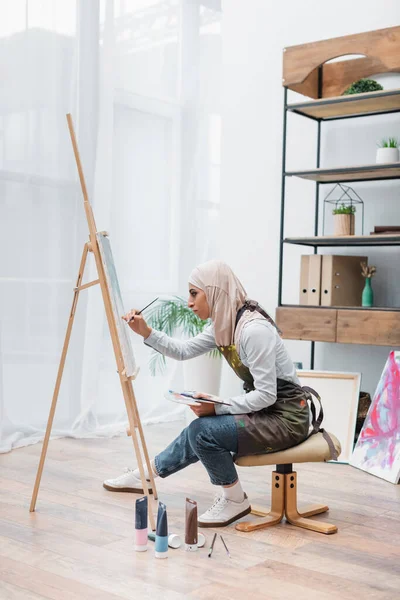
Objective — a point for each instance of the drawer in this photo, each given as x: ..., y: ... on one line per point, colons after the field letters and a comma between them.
x: 312, y: 324
x: 375, y: 327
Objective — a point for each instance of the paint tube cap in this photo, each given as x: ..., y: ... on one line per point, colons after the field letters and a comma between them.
x: 201, y: 540
x: 141, y: 548
x: 191, y: 547
x: 161, y: 554
x: 174, y: 541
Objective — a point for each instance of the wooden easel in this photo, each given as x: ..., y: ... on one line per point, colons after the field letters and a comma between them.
x: 126, y: 382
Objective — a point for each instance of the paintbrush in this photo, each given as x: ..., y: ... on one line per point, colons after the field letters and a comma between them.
x: 140, y: 311
x: 226, y: 547
x: 212, y: 546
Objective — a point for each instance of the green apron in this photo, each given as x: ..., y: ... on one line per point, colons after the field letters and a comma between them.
x: 284, y: 424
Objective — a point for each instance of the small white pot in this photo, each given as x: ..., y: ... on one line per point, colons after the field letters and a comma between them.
x: 201, y: 374
x: 387, y: 155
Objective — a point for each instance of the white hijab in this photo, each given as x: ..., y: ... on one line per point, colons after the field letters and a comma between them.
x: 225, y: 296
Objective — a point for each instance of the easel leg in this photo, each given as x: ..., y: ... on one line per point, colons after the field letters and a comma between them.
x: 58, y: 380
x: 134, y: 421
x: 144, y: 446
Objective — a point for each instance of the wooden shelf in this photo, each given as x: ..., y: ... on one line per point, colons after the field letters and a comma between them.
x: 371, y: 103
x: 361, y: 173
x: 358, y: 308
x: 346, y: 240
x: 347, y: 325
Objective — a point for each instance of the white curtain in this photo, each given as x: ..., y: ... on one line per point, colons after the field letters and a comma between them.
x: 141, y: 79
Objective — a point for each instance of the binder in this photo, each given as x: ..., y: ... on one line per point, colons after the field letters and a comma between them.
x: 342, y: 282
x: 310, y: 279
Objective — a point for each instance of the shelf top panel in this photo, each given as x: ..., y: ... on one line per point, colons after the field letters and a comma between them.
x: 356, y: 173
x: 347, y: 240
x: 345, y: 106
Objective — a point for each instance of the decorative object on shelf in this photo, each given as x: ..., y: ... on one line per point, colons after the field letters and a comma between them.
x: 362, y: 86
x: 344, y: 219
x: 388, y: 151
x: 171, y: 316
x: 340, y: 395
x: 344, y: 198
x: 367, y: 298
x: 386, y: 229
x: 378, y: 447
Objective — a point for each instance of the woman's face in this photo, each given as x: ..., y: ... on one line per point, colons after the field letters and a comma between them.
x: 198, y: 302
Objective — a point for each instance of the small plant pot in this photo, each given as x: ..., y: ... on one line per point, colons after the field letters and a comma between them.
x: 344, y: 224
x: 387, y: 155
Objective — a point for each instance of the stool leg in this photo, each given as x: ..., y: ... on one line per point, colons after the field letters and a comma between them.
x: 300, y: 519
x: 275, y: 515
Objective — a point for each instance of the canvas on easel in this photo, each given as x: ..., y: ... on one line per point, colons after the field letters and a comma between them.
x: 110, y: 272
x: 99, y: 245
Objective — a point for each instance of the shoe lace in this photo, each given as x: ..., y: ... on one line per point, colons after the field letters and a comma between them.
x: 218, y: 505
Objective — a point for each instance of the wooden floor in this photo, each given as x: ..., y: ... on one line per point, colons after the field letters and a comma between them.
x: 79, y: 543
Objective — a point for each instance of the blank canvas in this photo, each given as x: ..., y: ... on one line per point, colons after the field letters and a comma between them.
x: 339, y: 396
x: 378, y: 446
x: 117, y: 304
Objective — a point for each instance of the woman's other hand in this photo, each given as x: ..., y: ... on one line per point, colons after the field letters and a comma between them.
x: 204, y: 409
x: 137, y: 323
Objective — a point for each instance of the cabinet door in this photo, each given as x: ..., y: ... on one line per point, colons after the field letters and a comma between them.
x: 312, y: 324
x: 375, y: 327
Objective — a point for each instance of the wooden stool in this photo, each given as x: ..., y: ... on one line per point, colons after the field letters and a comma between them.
x: 284, y: 485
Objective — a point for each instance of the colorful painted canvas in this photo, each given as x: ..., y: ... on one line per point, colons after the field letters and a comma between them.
x: 378, y: 447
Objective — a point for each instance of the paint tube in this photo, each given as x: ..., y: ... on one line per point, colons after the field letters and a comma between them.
x: 161, y: 532
x: 141, y: 524
x: 191, y: 525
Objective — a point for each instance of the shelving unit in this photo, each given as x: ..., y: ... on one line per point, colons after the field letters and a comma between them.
x: 306, y: 70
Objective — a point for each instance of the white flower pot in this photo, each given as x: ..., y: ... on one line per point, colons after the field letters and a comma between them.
x: 201, y: 374
x: 387, y: 155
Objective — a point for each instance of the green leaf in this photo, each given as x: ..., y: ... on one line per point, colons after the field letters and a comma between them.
x: 173, y: 316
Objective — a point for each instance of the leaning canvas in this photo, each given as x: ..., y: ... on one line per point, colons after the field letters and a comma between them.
x: 378, y: 447
x: 117, y: 304
x: 339, y: 395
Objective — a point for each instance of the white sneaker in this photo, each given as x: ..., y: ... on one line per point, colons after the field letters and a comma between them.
x: 224, y: 511
x: 127, y: 482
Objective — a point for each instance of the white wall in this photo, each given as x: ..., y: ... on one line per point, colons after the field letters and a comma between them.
x: 253, y: 37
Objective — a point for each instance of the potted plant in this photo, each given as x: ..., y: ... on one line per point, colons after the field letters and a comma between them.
x: 362, y: 86
x: 367, y: 298
x: 173, y: 316
x: 344, y: 219
x: 388, y: 151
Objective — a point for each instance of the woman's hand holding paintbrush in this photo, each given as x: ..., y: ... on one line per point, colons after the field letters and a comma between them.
x: 137, y: 323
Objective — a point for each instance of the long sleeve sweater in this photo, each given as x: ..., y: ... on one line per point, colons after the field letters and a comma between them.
x: 261, y: 350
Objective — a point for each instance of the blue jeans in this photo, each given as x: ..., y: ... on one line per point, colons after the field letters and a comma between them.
x: 212, y: 440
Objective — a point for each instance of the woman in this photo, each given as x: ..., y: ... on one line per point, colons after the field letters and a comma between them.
x: 272, y: 413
